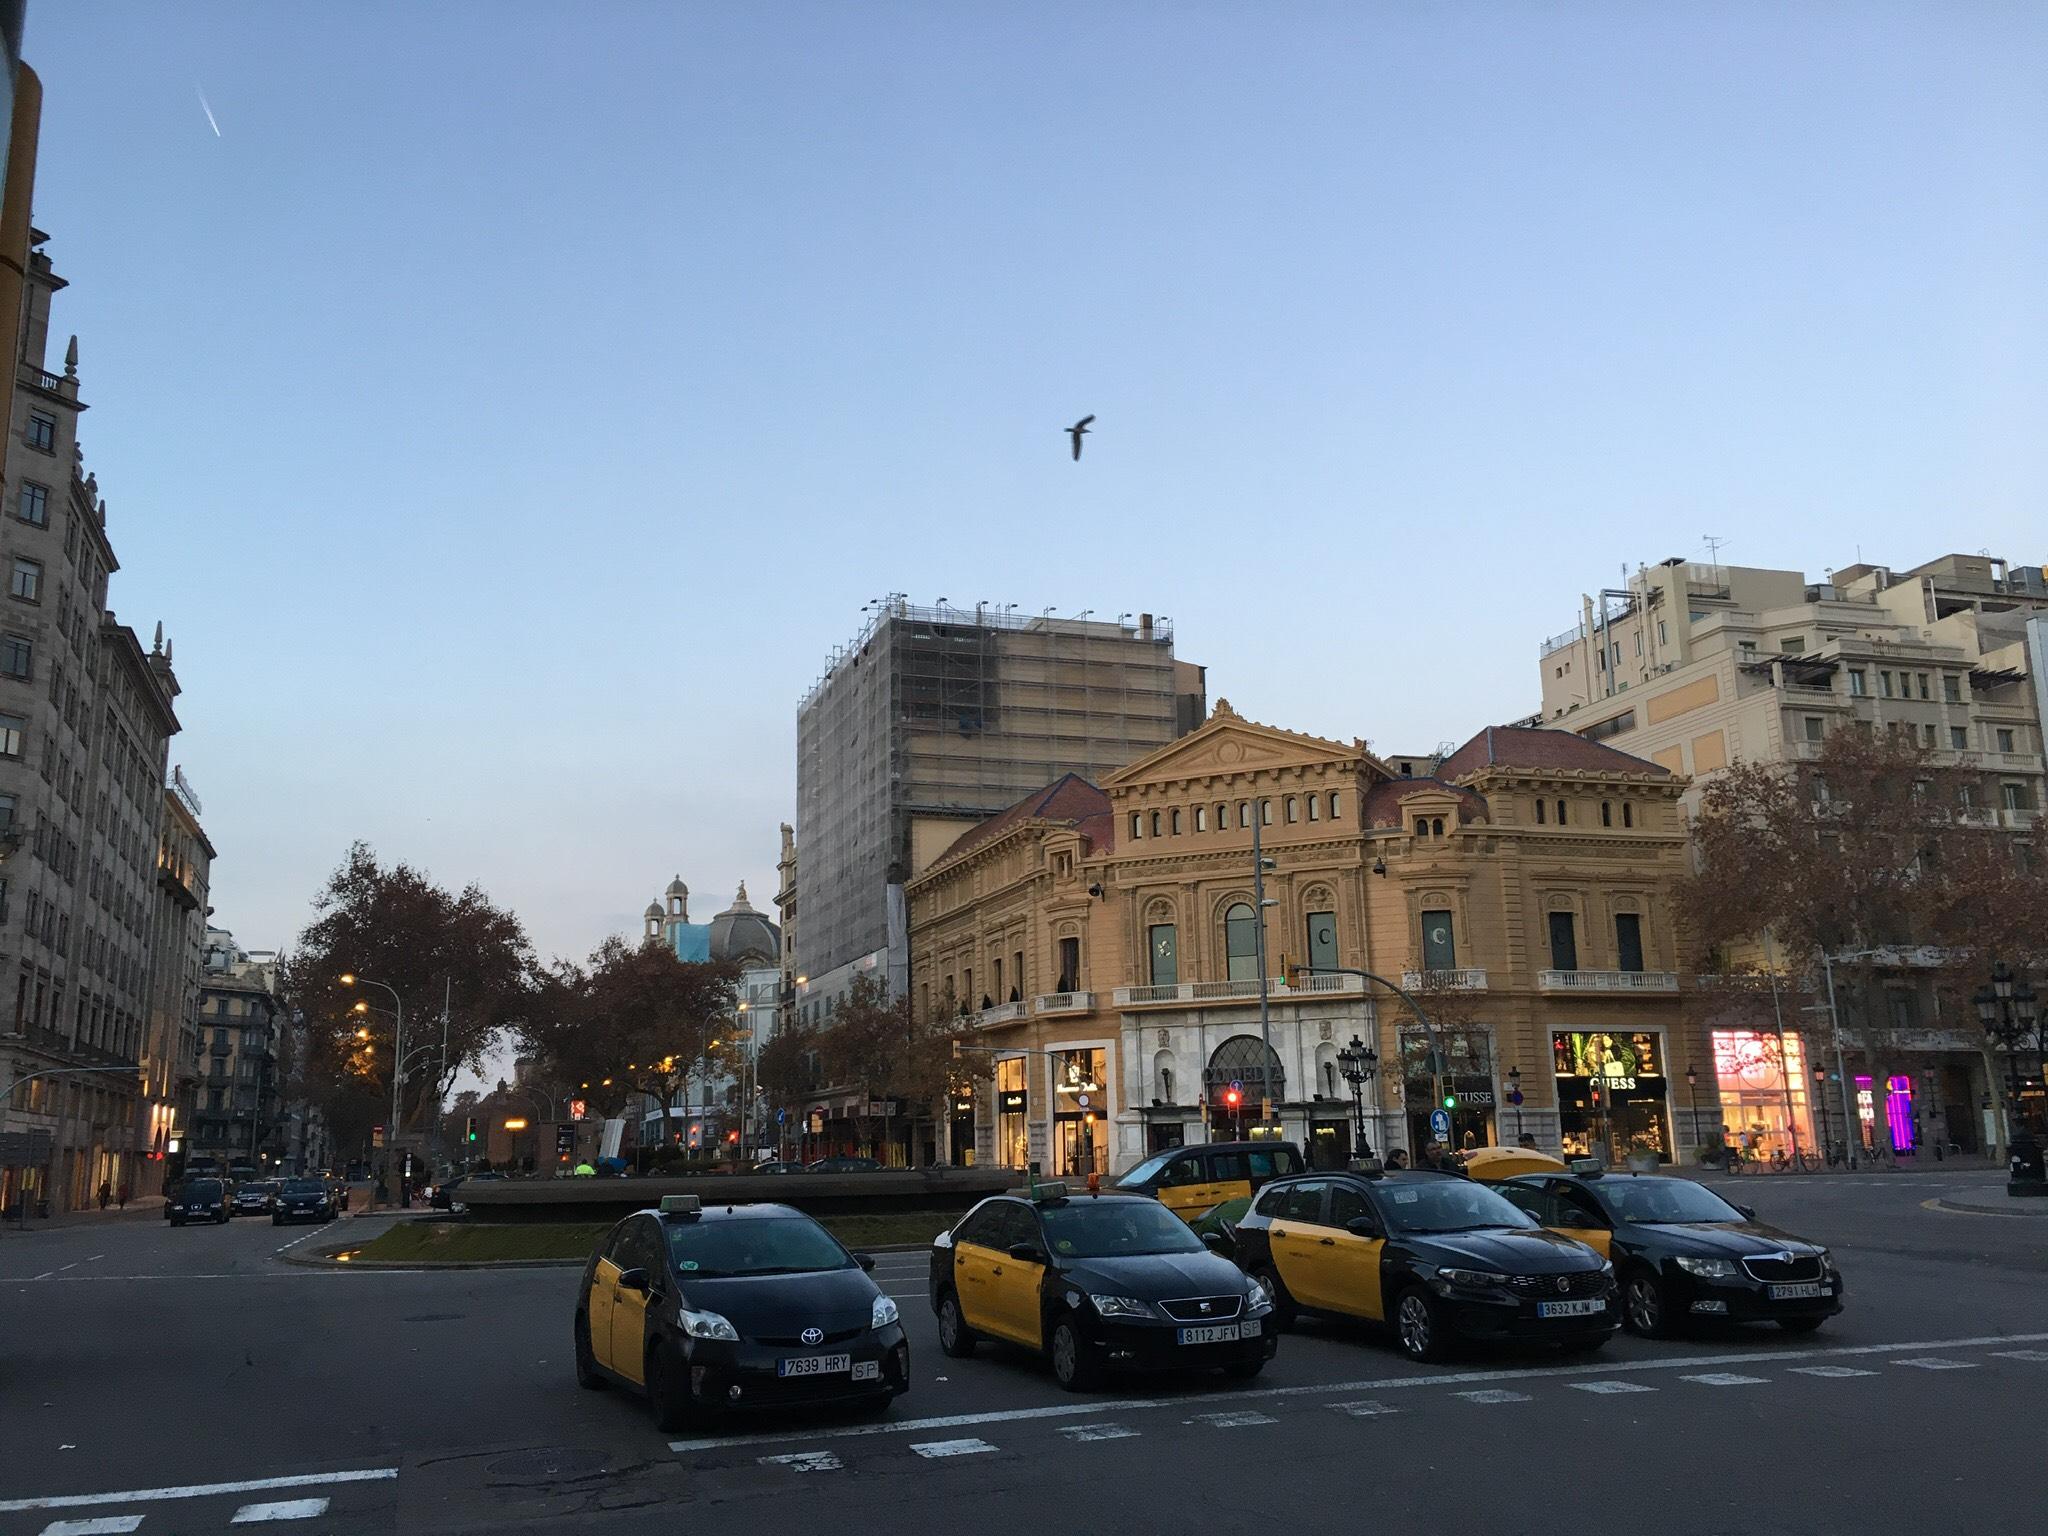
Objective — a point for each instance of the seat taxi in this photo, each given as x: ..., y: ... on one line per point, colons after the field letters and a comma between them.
x: 1192, y: 1181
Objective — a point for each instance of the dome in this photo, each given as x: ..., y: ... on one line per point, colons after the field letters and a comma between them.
x: 653, y: 910
x: 741, y: 933
x: 676, y: 887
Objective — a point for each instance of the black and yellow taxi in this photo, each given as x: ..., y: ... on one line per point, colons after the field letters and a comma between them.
x: 1192, y: 1181
x: 734, y: 1307
x: 1682, y: 1253
x: 1096, y: 1282
x: 1438, y: 1258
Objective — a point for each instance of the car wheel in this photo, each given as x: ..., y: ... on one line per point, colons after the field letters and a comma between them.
x: 1284, y: 1313
x: 1071, y: 1367
x: 672, y: 1408
x: 1800, y: 1324
x: 587, y: 1376
x: 1643, y: 1306
x: 1244, y: 1370
x: 1417, y: 1327
x: 955, y: 1337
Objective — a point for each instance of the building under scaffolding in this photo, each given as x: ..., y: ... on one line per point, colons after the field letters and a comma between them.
x: 935, y: 718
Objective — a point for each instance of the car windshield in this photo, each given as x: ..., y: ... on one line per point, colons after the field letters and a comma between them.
x: 782, y: 1245
x: 304, y: 1187
x: 1664, y: 1200
x: 1110, y: 1229
x: 1149, y: 1169
x: 200, y: 1189
x: 1447, y: 1205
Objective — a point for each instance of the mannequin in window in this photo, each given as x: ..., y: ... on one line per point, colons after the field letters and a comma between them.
x: 1013, y: 995
x: 987, y: 1001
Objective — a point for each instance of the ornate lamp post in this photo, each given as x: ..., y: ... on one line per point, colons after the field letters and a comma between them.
x: 1692, y: 1088
x: 1820, y: 1080
x: 2007, y: 1010
x: 1360, y: 1064
x: 1515, y: 1098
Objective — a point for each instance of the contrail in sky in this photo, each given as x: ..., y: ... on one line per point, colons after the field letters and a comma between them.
x: 208, y: 111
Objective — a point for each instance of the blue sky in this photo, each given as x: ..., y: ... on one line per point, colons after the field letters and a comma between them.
x: 512, y: 406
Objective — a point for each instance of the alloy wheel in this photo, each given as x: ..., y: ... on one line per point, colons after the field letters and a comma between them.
x: 1417, y: 1333
x: 1645, y: 1306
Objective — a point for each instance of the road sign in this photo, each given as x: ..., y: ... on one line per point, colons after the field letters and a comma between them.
x: 781, y: 1116
x: 1515, y: 1096
x: 1440, y: 1124
x: 1083, y: 1100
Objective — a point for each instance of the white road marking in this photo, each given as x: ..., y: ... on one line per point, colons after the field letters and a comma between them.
x: 2021, y: 1354
x: 197, y: 1490
x: 62, y: 1267
x: 1829, y: 1372
x: 1604, y: 1369
x: 1936, y: 1363
x: 935, y: 1450
x: 103, y: 1525
x: 298, y: 1240
x: 1724, y: 1379
x: 1363, y: 1408
x: 1611, y: 1386
x: 1493, y: 1395
x: 284, y: 1509
x: 804, y: 1461
x: 1085, y: 1432
x: 1239, y: 1420
x: 95, y: 1258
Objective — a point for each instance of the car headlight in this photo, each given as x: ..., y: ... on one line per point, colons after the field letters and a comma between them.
x: 1607, y: 1266
x: 1121, y: 1306
x: 884, y: 1313
x: 1255, y: 1297
x: 709, y: 1325
x: 1707, y: 1269
x: 1474, y: 1279
x: 1827, y: 1263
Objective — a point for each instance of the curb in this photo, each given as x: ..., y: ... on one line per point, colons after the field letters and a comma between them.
x: 2024, y: 1213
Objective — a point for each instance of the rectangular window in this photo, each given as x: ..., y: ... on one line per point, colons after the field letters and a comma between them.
x: 1628, y: 940
x: 17, y: 656
x: 1929, y: 735
x: 1922, y: 680
x: 1322, y: 940
x: 1639, y: 642
x: 42, y: 431
x: 1792, y: 645
x: 1856, y: 687
x: 1163, y: 943
x: 1951, y: 690
x: 1816, y: 728
x: 2015, y: 797
x: 33, y: 505
x: 1070, y: 964
x: 27, y: 581
x: 1958, y: 738
x: 1564, y: 943
x: 2005, y: 738
x: 1439, y: 942
x: 1748, y: 647
x: 1884, y: 683
x: 1663, y: 634
x: 13, y: 733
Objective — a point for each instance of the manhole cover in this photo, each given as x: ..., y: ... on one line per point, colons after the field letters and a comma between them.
x: 550, y: 1463
x: 434, y: 1317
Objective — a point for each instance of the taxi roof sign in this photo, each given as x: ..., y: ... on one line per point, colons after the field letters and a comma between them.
x: 1042, y: 1193
x: 1587, y: 1167
x: 682, y: 1205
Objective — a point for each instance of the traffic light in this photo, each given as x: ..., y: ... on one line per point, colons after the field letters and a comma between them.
x: 469, y: 1131
x: 1450, y: 1101
x: 1595, y: 1088
x: 1232, y: 1097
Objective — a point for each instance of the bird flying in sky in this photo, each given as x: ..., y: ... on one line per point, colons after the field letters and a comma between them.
x: 208, y: 111
x: 1075, y: 432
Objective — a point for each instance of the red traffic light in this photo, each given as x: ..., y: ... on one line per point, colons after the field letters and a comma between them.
x: 1232, y: 1097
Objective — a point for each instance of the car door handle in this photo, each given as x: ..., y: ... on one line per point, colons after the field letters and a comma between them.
x: 997, y: 1270
x: 1328, y: 1242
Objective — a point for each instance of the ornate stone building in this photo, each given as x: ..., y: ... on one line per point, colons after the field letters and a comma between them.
x: 1101, y: 949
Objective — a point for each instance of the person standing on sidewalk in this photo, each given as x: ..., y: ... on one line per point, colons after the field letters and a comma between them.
x: 121, y: 1198
x: 106, y: 1193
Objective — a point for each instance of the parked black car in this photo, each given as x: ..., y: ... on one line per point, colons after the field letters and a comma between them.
x: 1441, y: 1260
x: 1683, y: 1254
x: 302, y: 1200
x: 254, y: 1198
x: 198, y: 1200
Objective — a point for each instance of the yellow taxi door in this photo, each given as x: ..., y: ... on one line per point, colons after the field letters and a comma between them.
x: 637, y: 1250
x: 1352, y: 1259
x: 972, y: 1263
x: 1297, y: 1240
x: 1013, y: 1282
x: 1230, y: 1177
x: 1573, y: 1215
x: 1184, y: 1187
x: 599, y: 1306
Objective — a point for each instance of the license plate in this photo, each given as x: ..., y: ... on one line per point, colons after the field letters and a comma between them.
x: 813, y: 1365
x: 867, y: 1370
x: 1802, y: 1292
x: 1219, y: 1333
x: 1571, y: 1308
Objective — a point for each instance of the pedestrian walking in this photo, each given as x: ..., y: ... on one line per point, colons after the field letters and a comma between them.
x: 121, y: 1197
x: 106, y: 1193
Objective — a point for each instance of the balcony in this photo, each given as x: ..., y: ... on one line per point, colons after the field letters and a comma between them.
x: 1577, y: 982
x: 2018, y: 820
x: 1063, y: 1002
x: 1470, y: 978
x: 1001, y: 1013
x: 1210, y: 993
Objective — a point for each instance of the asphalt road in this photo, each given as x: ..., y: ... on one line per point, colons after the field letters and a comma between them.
x: 165, y: 1382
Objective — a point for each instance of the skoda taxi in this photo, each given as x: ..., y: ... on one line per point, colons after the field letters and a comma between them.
x: 1684, y: 1253
x: 1095, y: 1283
x: 735, y: 1307
x: 1439, y: 1258
x: 1192, y: 1181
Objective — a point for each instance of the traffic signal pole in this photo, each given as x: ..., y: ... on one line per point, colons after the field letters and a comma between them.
x: 1436, y: 1053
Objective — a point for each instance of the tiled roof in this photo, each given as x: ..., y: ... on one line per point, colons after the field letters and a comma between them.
x: 1069, y: 798
x: 1520, y: 746
x: 1383, y: 801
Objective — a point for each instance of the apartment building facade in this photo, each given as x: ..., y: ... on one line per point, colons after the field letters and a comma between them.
x: 239, y: 1119
x: 1099, y: 949
x: 171, y: 1058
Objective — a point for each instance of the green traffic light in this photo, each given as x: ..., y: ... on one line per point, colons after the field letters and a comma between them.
x: 1450, y: 1101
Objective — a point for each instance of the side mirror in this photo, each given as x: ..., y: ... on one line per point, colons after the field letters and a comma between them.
x: 1363, y: 1226
x: 1215, y: 1242
x: 1027, y: 1253
x: 864, y: 1260
x: 633, y: 1280
x: 1748, y: 1212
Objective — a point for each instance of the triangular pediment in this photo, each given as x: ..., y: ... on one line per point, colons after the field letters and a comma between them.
x: 1227, y: 743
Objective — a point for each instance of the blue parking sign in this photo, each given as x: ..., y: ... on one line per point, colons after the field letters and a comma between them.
x: 1440, y: 1124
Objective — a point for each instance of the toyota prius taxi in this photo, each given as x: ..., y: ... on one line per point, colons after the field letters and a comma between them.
x: 709, y: 1310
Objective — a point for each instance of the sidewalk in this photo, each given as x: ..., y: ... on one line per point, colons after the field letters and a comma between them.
x: 144, y: 1208
x: 1991, y: 1200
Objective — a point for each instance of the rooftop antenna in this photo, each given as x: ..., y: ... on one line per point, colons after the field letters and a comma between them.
x: 1714, y: 548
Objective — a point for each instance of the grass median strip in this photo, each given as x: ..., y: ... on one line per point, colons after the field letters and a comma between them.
x: 471, y: 1242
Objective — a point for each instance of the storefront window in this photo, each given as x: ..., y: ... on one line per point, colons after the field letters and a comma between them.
x: 1467, y: 1082
x: 1080, y: 1141
x: 1763, y: 1092
x: 1013, y: 1104
x: 1612, y: 1094
x: 1897, y: 1112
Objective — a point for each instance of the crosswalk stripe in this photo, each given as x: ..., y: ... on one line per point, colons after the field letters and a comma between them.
x: 282, y: 1509
x: 1363, y: 1408
x: 1724, y: 1379
x: 1610, y: 1386
x: 2021, y: 1354
x: 933, y: 1450
x: 1829, y: 1372
x: 1937, y: 1363
x: 1232, y: 1420
x: 1083, y: 1432
x: 99, y: 1525
x: 804, y: 1461
x: 1493, y: 1395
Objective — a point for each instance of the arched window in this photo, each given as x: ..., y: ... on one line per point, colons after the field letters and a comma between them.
x: 1422, y: 826
x: 1314, y: 805
x: 1606, y: 813
x: 1560, y: 813
x: 1334, y: 812
x: 1436, y: 827
x: 1539, y: 810
x: 1222, y: 817
x: 1293, y: 809
x: 1201, y: 818
x: 1138, y: 825
x: 1173, y: 820
x: 1155, y: 823
x: 1244, y: 813
x: 1628, y: 814
x: 1265, y: 813
x: 1241, y: 942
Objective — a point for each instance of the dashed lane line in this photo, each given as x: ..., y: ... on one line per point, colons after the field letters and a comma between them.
x: 197, y: 1490
x: 1082, y: 1433
x: 937, y: 1450
x: 805, y: 1461
x: 1610, y: 1386
x: 1830, y: 1372
x: 1110, y: 1406
x: 1726, y: 1379
x: 103, y: 1525
x: 283, y: 1509
x: 312, y: 1234
x: 1491, y: 1395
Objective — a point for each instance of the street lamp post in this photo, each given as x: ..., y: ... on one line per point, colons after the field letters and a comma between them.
x: 1436, y: 1055
x: 1515, y: 1098
x: 2006, y: 1007
x: 1360, y: 1064
x: 350, y: 979
x: 1692, y: 1090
